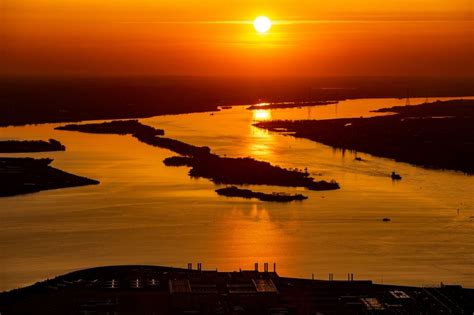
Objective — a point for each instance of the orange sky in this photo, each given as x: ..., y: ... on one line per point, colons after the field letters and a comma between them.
x: 313, y: 38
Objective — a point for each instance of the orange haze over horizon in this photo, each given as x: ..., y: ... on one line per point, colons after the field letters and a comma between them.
x: 215, y: 37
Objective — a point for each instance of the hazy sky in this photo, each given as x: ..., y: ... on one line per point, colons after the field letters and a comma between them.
x: 310, y: 38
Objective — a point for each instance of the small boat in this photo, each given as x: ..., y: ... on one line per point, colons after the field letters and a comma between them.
x: 386, y: 220
x: 358, y: 158
x: 396, y: 176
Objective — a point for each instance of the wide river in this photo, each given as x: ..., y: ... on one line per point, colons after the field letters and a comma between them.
x: 146, y: 213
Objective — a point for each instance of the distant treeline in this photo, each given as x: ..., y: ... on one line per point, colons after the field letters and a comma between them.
x: 42, y: 100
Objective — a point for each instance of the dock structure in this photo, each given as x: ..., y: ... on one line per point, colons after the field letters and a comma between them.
x: 166, y: 290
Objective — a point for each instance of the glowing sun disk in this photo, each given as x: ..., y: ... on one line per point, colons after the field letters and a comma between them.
x: 262, y: 24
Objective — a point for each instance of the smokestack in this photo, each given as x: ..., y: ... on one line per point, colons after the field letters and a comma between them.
x: 256, y: 267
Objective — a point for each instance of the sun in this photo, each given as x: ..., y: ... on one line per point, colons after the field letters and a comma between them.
x: 262, y: 24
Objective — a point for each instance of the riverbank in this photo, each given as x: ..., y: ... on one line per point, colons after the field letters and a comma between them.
x: 38, y: 100
x: 435, y: 135
x: 27, y: 175
x: 119, y: 127
x: 15, y: 146
x: 203, y: 163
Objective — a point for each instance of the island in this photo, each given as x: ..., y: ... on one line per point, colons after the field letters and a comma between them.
x: 143, y: 133
x: 27, y: 175
x: 174, y: 145
x: 203, y: 163
x: 247, y: 171
x: 119, y: 127
x: 234, y: 191
x: 290, y: 105
x: 16, y: 146
x: 436, y: 135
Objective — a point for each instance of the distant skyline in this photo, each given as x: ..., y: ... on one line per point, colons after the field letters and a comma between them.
x: 309, y: 38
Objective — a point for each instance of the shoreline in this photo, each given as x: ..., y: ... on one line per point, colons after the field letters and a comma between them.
x: 432, y: 135
x: 204, y: 163
x: 30, y: 146
x: 21, y: 176
x: 217, y: 107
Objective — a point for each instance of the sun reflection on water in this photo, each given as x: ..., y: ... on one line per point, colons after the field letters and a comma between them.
x: 261, y: 144
x: 252, y: 235
x: 262, y: 114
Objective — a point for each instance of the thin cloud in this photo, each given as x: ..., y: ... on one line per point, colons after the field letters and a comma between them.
x: 309, y: 21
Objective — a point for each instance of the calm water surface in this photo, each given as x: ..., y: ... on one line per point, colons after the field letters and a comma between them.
x: 146, y: 213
